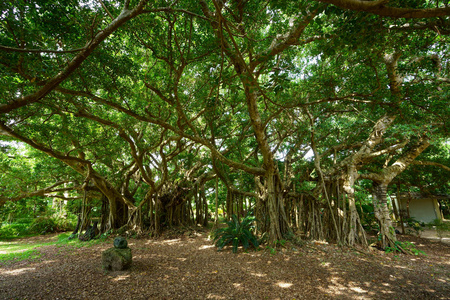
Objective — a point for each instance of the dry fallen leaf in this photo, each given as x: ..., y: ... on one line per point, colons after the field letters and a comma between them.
x: 203, y: 273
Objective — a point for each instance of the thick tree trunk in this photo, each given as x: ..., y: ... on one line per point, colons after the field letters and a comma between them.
x: 113, y: 218
x: 151, y: 213
x: 197, y: 205
x: 75, y: 231
x: 85, y: 213
x: 216, y: 212
x: 387, y: 231
x: 104, y: 225
x: 205, y: 207
x: 158, y: 213
x: 380, y: 183
x: 118, y: 204
x: 355, y: 231
x: 278, y: 226
x: 272, y: 199
x: 229, y: 204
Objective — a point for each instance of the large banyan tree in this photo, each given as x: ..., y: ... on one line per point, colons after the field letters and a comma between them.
x: 286, y: 105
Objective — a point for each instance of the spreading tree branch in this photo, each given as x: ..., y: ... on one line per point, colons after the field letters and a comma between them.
x: 379, y: 7
x: 75, y: 63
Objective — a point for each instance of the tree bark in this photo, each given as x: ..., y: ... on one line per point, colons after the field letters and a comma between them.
x: 387, y: 231
x: 355, y: 230
x: 278, y: 224
x: 380, y: 182
x: 216, y: 212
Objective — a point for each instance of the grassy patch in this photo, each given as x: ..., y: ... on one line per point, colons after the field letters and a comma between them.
x: 11, y: 250
x: 18, y: 251
x: 27, y: 254
x: 63, y: 240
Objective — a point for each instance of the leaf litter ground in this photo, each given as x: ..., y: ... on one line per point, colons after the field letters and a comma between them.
x: 187, y: 266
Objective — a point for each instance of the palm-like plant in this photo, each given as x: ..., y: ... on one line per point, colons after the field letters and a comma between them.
x: 236, y: 233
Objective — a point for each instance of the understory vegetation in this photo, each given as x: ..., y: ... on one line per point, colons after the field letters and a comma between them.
x: 237, y: 233
x: 17, y: 250
x: 321, y: 120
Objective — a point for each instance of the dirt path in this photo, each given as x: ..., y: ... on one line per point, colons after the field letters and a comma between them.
x: 191, y: 268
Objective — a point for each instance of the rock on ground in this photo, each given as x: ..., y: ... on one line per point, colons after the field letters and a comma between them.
x: 116, y: 259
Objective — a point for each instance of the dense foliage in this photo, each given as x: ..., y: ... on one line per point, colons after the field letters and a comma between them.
x: 157, y: 113
x: 238, y: 232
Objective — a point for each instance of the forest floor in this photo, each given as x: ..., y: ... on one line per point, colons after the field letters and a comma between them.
x: 188, y: 266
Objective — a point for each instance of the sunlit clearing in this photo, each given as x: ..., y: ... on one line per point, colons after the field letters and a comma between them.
x: 337, y: 287
x: 18, y: 271
x: 205, y: 247
x: 237, y: 285
x: 14, y: 248
x: 258, y: 274
x: 121, y: 277
x: 171, y: 242
x: 283, y: 284
x: 358, y: 290
x: 317, y: 242
x: 212, y: 296
x: 402, y: 267
x: 7, y: 243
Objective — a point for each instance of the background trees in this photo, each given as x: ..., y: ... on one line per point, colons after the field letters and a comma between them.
x: 148, y: 104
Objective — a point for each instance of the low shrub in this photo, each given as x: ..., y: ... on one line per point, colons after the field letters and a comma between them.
x: 43, y: 225
x: 13, y: 230
x: 39, y: 225
x: 237, y: 233
x: 367, y: 215
x: 414, y: 224
x: 406, y: 246
x: 65, y: 224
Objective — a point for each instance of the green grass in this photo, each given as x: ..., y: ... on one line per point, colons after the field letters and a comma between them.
x: 75, y: 243
x: 18, y: 251
x: 27, y: 254
x: 11, y: 250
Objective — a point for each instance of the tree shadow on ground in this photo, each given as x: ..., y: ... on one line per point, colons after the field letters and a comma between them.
x: 191, y: 268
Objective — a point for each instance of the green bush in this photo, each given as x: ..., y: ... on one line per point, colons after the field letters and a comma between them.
x: 13, y: 230
x: 367, y: 215
x: 406, y: 246
x: 65, y: 224
x: 414, y: 224
x: 43, y: 225
x: 40, y: 225
x: 25, y: 221
x: 236, y: 233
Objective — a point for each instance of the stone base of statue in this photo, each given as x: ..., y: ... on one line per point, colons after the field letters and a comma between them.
x: 118, y: 258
